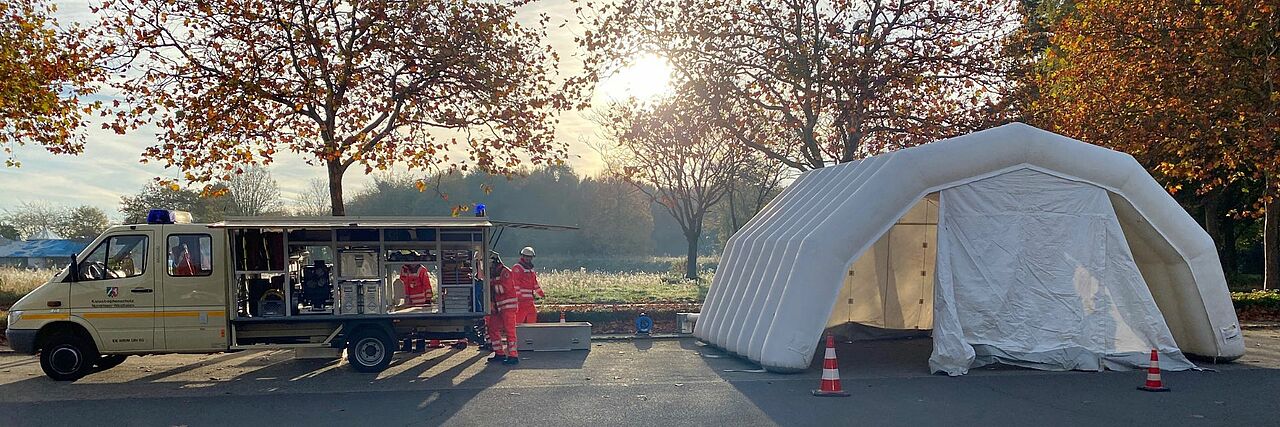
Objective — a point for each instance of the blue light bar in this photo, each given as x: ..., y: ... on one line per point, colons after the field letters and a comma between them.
x: 479, y: 209
x: 161, y: 216
x: 167, y: 216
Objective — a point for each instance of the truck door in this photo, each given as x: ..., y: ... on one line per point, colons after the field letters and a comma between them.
x: 115, y: 292
x: 193, y: 291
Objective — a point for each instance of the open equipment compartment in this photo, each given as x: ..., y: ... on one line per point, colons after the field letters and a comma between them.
x: 417, y: 274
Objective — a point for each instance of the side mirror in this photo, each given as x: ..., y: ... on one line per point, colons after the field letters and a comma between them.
x: 73, y: 271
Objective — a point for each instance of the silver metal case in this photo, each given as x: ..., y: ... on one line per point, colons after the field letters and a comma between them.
x: 554, y: 336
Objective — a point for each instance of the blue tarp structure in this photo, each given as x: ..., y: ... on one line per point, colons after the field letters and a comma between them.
x: 39, y: 253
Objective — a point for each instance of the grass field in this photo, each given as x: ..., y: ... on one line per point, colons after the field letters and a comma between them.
x: 16, y: 282
x: 561, y: 286
x: 590, y: 287
x: 622, y: 264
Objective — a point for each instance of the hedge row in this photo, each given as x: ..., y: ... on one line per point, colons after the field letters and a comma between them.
x: 1257, y: 305
x: 618, y: 318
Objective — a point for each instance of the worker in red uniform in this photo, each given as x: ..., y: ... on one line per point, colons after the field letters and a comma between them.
x: 182, y: 262
x: 501, y: 323
x: 526, y: 279
x: 417, y: 285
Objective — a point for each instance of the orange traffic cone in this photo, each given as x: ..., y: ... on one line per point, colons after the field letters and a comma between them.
x: 562, y: 316
x: 1153, y: 375
x: 830, y: 372
x: 435, y: 344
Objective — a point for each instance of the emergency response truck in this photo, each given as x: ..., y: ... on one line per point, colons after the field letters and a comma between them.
x: 169, y: 286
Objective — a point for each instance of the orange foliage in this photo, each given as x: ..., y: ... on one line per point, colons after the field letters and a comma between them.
x: 1189, y: 88
x: 45, y: 69
x: 346, y: 83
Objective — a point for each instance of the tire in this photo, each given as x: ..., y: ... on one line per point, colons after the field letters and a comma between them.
x: 110, y: 361
x: 369, y: 350
x: 67, y: 357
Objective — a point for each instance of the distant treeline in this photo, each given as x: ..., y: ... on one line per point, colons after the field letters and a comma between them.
x: 614, y: 219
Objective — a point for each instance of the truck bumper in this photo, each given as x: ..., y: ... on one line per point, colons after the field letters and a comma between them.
x: 22, y: 340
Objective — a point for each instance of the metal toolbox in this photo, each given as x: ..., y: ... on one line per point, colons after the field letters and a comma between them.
x: 349, y: 297
x: 358, y: 264
x: 455, y: 299
x: 372, y: 292
x: 360, y: 296
x: 554, y: 336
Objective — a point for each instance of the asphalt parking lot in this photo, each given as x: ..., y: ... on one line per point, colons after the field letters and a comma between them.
x: 630, y: 383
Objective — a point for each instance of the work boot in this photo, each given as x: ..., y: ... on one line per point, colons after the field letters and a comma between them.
x: 511, y: 360
x: 497, y: 358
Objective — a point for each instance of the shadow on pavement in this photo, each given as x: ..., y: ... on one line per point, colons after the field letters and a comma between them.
x: 573, y: 359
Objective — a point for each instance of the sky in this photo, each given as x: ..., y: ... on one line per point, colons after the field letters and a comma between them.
x: 110, y: 168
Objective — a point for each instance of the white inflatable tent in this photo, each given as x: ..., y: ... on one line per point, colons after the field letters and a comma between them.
x: 1012, y: 244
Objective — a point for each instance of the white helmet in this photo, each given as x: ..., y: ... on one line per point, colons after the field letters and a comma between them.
x: 527, y: 251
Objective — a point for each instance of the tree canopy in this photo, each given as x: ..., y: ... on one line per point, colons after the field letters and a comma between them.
x: 30, y: 219
x: 667, y: 151
x: 47, y: 71
x: 373, y: 84
x: 203, y: 208
x: 1188, y: 88
x: 811, y: 83
x: 253, y: 193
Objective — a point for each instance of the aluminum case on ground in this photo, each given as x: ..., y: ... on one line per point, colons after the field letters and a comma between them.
x: 554, y: 336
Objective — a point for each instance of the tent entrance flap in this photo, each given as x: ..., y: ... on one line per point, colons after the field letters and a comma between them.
x: 1034, y: 270
x: 890, y: 285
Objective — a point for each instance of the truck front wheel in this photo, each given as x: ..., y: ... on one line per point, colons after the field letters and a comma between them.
x: 370, y: 350
x: 67, y: 357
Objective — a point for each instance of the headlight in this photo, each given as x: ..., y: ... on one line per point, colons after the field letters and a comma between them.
x: 14, y: 317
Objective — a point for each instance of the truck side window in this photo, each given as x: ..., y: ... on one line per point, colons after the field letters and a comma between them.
x: 116, y: 258
x: 190, y: 255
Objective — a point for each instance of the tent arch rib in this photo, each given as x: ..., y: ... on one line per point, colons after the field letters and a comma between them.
x: 795, y: 231
x: 780, y: 275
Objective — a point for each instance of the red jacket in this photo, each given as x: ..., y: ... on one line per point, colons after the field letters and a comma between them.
x: 526, y: 280
x: 417, y: 285
x: 184, y: 267
x: 505, y: 293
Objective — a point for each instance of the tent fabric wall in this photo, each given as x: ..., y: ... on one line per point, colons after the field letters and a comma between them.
x: 780, y: 275
x: 1034, y: 270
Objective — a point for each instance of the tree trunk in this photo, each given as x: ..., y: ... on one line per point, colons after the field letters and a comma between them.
x: 733, y: 212
x: 336, y: 170
x: 1271, y: 241
x: 1230, y: 259
x: 1213, y: 223
x: 691, y: 260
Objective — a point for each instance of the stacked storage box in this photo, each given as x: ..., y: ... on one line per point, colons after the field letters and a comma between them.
x: 457, y: 299
x: 456, y: 282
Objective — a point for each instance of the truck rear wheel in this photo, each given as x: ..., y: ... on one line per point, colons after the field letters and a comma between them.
x: 67, y: 357
x: 370, y: 350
